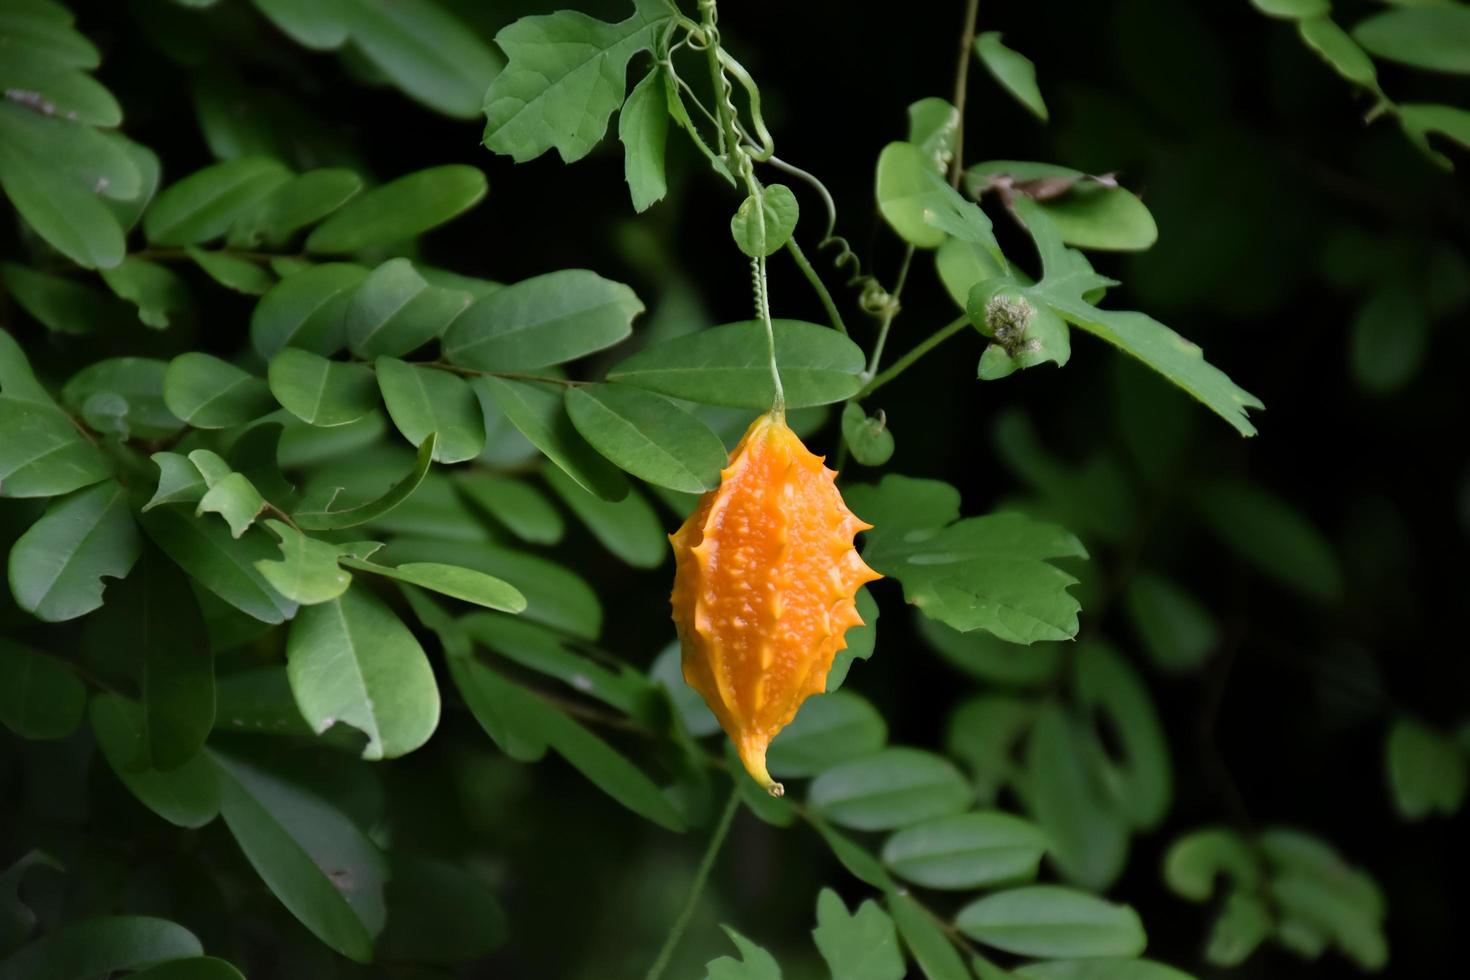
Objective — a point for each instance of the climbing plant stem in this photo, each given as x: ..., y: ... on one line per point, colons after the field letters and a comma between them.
x: 696, y: 888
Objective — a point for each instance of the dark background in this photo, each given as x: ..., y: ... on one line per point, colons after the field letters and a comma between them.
x: 1252, y: 156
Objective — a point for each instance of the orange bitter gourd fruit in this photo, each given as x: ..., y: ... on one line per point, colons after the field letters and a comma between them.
x: 765, y: 585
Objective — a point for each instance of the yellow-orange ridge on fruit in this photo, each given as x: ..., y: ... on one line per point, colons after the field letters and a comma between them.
x: 765, y: 587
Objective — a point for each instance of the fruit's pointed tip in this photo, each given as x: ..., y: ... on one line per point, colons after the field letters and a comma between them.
x: 753, y: 755
x: 776, y: 790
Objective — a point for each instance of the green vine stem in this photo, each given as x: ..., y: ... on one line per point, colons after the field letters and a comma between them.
x: 833, y: 314
x: 907, y: 360
x: 696, y: 888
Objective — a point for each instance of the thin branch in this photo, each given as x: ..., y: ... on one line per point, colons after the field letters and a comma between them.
x: 821, y: 288
x: 696, y: 889
x: 961, y: 87
x: 904, y: 363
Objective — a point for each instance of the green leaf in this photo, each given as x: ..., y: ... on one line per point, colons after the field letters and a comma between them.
x: 1242, y: 925
x: 1014, y: 71
x: 1420, y: 119
x: 667, y: 671
x: 159, y: 294
x: 39, y: 697
x: 629, y: 528
x: 18, y: 919
x: 643, y: 128
x: 1435, y: 38
x: 399, y: 210
x: 1266, y: 531
x: 204, y: 205
x: 308, y: 572
x: 43, y: 454
x: 319, y: 391
x: 440, y: 913
x: 306, y: 310
x: 1426, y: 771
x: 907, y: 191
x: 258, y: 701
x: 549, y: 652
x: 830, y: 729
x: 523, y: 510
x: 191, y: 968
x: 1069, y: 278
x: 352, y: 661
x: 396, y: 311
x: 1102, y: 968
x: 1088, y: 212
x: 1292, y: 9
x: 231, y: 495
x: 990, y: 573
x: 860, y: 946
x: 1194, y: 861
x: 209, y: 393
x: 925, y: 940
x: 426, y: 51
x: 861, y: 640
x: 1338, y: 49
x: 545, y: 320
x: 856, y: 859
x: 321, y: 27
x: 933, y: 124
x: 993, y: 660
x: 1315, y: 892
x: 232, y: 272
x: 868, y: 437
x: 754, y: 963
x: 730, y: 365
x: 983, y: 733
x: 1110, y: 691
x: 326, y: 518
x: 424, y: 401
x: 763, y: 225
x: 566, y: 75
x: 133, y: 386
x: 301, y: 201
x: 648, y: 436
x: 967, y: 850
x: 60, y: 304
x: 538, y: 411
x: 188, y: 795
x: 55, y: 89
x: 507, y: 713
x: 218, y: 562
x: 47, y: 30
x: 454, y: 581
x: 1088, y: 834
x: 326, y: 872
x: 66, y: 212
x: 99, y: 946
x: 895, y: 788
x: 1390, y: 336
x: 1048, y: 920
x: 57, y: 565
x: 1177, y: 631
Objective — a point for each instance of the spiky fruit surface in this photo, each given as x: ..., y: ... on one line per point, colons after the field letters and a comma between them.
x: 764, y: 587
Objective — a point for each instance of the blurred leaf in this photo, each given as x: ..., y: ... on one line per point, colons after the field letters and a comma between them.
x: 859, y: 946
x: 895, y: 788
x: 754, y: 963
x: 1176, y: 630
x: 1293, y: 9
x: 1389, y: 337
x: 925, y: 940
x: 993, y: 660
x: 1111, y: 693
x: 859, y: 862
x: 860, y: 640
x: 868, y: 438
x: 396, y: 311
x: 1421, y: 119
x: 516, y: 504
x: 1243, y: 923
x: 967, y: 850
x: 225, y: 566
x: 98, y: 946
x: 553, y: 654
x: 209, y: 393
x: 319, y: 391
x: 762, y: 226
x: 536, y: 408
x: 233, y: 272
x: 648, y: 435
x: 1048, y: 920
x: 643, y: 127
x: 1095, y: 498
x: 400, y: 209
x: 933, y: 124
x: 40, y: 698
x: 204, y: 205
x: 545, y: 320
x: 828, y: 730
x: 423, y: 401
x: 191, y: 968
x: 730, y: 365
x: 1426, y: 771
x: 1338, y: 49
x: 57, y: 566
x: 1195, y: 860
x: 293, y: 205
x: 1268, y: 532
x: 157, y: 291
x: 1434, y: 37
x: 186, y: 796
x: 306, y: 310
x: 318, y: 26
x: 135, y: 385
x: 1014, y: 71
x: 983, y: 733
x: 17, y: 919
x: 352, y: 661
x: 440, y: 912
x: 986, y: 573
x: 629, y: 528
x: 426, y: 51
x: 565, y: 76
x: 1101, y: 969
x: 1087, y: 831
x: 326, y: 872
x: 43, y: 453
x: 60, y: 304
x: 695, y: 714
x: 55, y: 89
x: 327, y: 518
